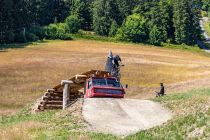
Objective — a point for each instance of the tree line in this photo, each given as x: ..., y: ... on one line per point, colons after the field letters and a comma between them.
x: 147, y: 21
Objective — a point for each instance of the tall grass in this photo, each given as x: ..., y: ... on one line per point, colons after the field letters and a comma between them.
x: 62, y: 125
x: 191, y: 117
x: 34, y: 69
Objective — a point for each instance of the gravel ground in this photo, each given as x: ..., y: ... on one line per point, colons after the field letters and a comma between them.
x: 123, y: 117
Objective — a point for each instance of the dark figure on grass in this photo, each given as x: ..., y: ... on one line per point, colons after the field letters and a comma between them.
x: 162, y: 91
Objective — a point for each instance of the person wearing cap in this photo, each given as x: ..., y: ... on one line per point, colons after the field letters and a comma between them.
x: 162, y: 90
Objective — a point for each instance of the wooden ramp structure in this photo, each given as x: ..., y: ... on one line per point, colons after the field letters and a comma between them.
x: 53, y: 98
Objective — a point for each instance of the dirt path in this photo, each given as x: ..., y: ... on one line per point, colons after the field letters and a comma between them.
x: 123, y: 116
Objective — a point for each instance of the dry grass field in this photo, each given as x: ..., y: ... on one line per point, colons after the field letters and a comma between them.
x: 25, y: 73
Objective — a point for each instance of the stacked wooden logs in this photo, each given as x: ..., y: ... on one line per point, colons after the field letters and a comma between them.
x: 53, y: 98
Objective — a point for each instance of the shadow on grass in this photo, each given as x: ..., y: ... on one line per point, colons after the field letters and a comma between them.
x: 4, y: 47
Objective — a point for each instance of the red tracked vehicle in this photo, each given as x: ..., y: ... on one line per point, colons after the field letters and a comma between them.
x: 103, y: 87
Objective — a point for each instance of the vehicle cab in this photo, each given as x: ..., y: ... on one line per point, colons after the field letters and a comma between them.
x: 103, y: 87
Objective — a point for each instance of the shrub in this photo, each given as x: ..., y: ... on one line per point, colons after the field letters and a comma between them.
x: 51, y: 31
x: 133, y: 29
x: 73, y: 24
x: 155, y: 36
x: 113, y: 29
x: 65, y: 37
x: 102, y: 26
x: 37, y: 30
x: 60, y: 30
x: 10, y: 37
x: 57, y: 31
x: 31, y: 37
x: 20, y: 37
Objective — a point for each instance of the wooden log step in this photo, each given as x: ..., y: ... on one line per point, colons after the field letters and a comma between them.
x: 50, y: 90
x: 58, y: 92
x: 53, y: 102
x: 41, y: 107
x: 53, y: 107
x: 57, y: 98
x: 53, y: 94
x: 46, y: 94
x: 49, y: 106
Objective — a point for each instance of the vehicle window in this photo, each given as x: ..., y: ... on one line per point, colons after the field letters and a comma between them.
x: 113, y: 83
x: 99, y: 82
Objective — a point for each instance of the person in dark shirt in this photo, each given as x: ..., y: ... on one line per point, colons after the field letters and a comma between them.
x: 116, y: 59
x: 162, y: 90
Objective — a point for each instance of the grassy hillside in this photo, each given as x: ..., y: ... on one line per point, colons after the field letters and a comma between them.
x: 191, y: 117
x: 191, y: 121
x: 28, y: 71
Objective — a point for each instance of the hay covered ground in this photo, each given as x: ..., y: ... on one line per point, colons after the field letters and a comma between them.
x: 25, y: 73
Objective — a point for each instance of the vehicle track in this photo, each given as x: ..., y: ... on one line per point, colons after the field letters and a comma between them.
x: 123, y: 116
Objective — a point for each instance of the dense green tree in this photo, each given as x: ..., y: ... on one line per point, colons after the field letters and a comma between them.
x: 176, y: 20
x: 126, y: 7
x: 101, y: 17
x: 156, y: 36
x: 166, y: 14
x: 186, y: 22
x: 157, y: 13
x: 143, y: 8
x: 82, y: 8
x: 73, y: 24
x: 104, y: 12
x: 114, y: 11
x: 195, y: 18
x: 134, y: 29
x: 53, y: 10
x: 21, y: 14
x: 6, y: 20
x: 113, y: 29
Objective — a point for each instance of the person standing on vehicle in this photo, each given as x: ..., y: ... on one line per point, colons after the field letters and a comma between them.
x: 112, y: 65
x: 109, y: 64
x: 117, y: 59
x: 116, y: 67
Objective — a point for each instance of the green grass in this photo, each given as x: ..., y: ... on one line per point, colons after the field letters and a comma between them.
x: 112, y: 39
x: 191, y: 111
x: 84, y: 36
x: 23, y: 45
x: 181, y: 47
x: 24, y: 116
x: 177, y: 129
x: 56, y: 125
x: 93, y: 37
x: 189, y: 114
